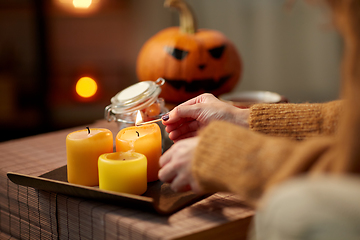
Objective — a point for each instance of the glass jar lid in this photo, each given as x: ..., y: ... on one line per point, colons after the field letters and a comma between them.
x: 136, y: 97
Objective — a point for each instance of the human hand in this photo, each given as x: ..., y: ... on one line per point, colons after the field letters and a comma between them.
x: 175, y: 166
x: 187, y: 118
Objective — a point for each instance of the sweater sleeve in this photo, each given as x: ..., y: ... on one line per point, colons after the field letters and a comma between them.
x: 296, y: 121
x: 234, y: 159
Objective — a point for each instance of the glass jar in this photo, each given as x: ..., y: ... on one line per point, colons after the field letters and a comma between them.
x: 141, y: 96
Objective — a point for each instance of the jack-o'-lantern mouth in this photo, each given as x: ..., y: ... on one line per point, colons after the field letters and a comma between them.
x: 197, y: 85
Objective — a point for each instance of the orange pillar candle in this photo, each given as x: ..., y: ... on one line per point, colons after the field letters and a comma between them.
x: 83, y: 149
x: 145, y: 139
x: 123, y: 172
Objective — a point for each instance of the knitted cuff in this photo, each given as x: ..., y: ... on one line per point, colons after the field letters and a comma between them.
x: 296, y: 121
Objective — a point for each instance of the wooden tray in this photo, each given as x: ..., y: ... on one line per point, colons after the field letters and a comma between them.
x: 158, y: 197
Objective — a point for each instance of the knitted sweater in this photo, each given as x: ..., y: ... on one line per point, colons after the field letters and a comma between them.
x: 248, y: 162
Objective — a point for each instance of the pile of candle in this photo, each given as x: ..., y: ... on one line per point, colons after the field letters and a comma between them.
x: 92, y: 162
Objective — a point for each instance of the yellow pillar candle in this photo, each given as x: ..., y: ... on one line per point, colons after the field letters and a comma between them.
x: 145, y: 139
x: 123, y: 172
x: 83, y: 149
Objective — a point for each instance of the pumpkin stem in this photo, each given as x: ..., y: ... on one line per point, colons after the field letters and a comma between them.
x: 187, y: 18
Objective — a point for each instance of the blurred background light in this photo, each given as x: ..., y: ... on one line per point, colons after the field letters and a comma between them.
x: 82, y: 3
x: 79, y: 6
x: 86, y: 87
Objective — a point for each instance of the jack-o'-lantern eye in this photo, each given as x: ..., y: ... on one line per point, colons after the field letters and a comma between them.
x: 179, y: 54
x: 217, y: 52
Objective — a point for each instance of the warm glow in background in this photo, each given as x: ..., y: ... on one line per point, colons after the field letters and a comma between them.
x: 86, y: 87
x: 82, y: 3
x: 79, y: 6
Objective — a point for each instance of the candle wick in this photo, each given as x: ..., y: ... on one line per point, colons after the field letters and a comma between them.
x: 138, y: 133
x: 88, y: 130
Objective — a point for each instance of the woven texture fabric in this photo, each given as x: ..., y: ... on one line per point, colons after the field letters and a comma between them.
x: 26, y: 213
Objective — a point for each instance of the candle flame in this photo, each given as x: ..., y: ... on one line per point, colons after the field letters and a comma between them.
x: 139, y: 118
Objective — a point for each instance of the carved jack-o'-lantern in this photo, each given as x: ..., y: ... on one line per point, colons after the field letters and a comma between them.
x: 191, y: 61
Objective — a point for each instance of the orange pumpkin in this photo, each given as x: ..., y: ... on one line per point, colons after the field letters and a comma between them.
x: 191, y: 61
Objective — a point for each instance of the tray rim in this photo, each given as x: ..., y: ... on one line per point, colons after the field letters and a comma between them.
x: 145, y: 201
x: 10, y: 174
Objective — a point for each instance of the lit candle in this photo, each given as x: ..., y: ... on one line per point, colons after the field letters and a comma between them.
x: 145, y: 139
x: 83, y: 149
x: 123, y: 172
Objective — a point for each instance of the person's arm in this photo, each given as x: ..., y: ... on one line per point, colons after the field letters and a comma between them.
x: 234, y: 159
x: 296, y: 121
x: 247, y: 160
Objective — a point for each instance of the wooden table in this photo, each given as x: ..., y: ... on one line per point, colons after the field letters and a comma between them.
x: 27, y: 213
